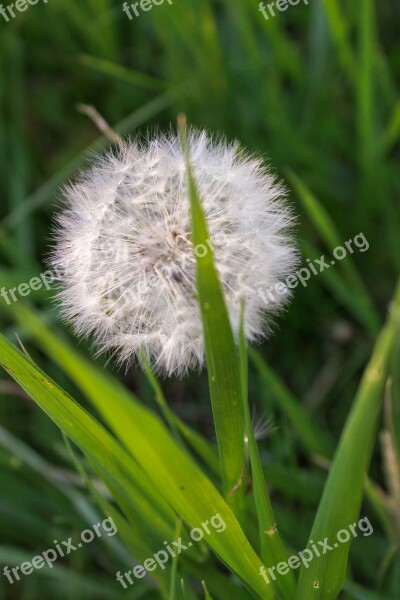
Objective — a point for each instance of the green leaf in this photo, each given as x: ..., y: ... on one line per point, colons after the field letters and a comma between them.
x: 206, y: 593
x: 131, y: 76
x: 272, y: 548
x: 200, y: 445
x: 220, y: 349
x: 129, y: 532
x: 340, y: 504
x: 162, y: 462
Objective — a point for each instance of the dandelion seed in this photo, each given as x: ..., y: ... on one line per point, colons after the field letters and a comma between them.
x: 262, y: 426
x: 123, y: 244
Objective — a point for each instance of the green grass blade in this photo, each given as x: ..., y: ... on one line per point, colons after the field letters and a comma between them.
x: 131, y: 537
x: 365, y: 93
x: 221, y: 352
x: 272, y: 548
x: 392, y: 132
x: 184, y: 485
x: 207, y: 595
x: 106, y: 457
x: 106, y: 67
x: 204, y: 449
x: 341, y: 500
x: 338, y: 24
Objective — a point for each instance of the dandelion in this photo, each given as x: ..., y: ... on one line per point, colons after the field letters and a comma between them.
x: 123, y: 243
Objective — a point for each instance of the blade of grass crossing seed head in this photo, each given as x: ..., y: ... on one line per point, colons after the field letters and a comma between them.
x: 220, y: 349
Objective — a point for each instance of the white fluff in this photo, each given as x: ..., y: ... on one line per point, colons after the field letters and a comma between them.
x: 123, y: 245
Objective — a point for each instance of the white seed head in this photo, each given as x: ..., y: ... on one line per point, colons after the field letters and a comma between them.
x: 124, y: 247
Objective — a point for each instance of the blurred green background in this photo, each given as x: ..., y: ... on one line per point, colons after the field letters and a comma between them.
x: 314, y: 90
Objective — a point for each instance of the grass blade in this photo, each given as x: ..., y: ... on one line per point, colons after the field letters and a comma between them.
x: 272, y: 549
x: 221, y: 353
x: 184, y: 485
x: 341, y: 500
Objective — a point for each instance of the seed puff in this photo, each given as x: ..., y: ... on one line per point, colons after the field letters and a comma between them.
x: 124, y: 250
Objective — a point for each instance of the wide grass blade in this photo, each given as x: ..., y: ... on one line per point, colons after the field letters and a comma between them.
x: 184, y: 486
x: 221, y: 353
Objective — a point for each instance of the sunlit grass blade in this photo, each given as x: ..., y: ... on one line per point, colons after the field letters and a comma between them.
x: 392, y: 131
x: 341, y: 500
x: 221, y: 352
x: 104, y: 452
x: 131, y: 536
x: 184, y: 485
x: 65, y: 481
x: 206, y: 593
x: 174, y: 570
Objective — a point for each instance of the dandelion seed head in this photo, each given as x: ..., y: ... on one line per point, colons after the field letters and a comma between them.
x: 123, y: 244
